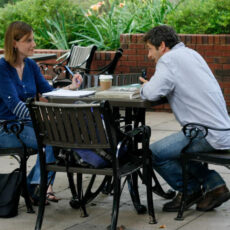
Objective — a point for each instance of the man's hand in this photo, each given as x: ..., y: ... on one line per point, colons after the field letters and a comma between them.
x: 143, y: 80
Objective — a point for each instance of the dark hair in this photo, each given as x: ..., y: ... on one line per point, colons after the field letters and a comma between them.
x: 15, y: 32
x: 160, y: 34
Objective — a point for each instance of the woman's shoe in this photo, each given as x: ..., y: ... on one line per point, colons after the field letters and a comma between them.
x: 51, y: 197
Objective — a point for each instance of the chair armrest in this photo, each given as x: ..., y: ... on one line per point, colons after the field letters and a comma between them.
x: 191, y: 130
x: 13, y: 126
x: 143, y: 131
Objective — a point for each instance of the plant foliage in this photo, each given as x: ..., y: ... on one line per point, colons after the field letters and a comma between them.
x: 201, y: 16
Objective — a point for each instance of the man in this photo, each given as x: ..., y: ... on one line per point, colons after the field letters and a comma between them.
x: 194, y: 95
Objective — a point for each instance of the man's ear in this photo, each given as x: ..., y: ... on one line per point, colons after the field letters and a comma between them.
x: 162, y: 46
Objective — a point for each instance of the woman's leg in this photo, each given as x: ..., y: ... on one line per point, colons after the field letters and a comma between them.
x: 9, y: 140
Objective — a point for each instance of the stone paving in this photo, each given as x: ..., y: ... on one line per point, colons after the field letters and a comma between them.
x: 60, y: 216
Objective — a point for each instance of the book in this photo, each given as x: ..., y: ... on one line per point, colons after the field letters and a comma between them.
x: 69, y: 93
x: 125, y: 91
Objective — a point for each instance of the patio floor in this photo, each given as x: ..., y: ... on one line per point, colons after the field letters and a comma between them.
x: 60, y: 216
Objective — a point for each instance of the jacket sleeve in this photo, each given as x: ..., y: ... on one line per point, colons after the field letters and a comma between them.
x: 10, y: 97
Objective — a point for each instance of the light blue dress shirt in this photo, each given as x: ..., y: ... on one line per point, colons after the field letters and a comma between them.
x: 194, y: 94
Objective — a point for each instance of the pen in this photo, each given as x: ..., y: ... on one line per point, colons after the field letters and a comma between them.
x: 70, y: 71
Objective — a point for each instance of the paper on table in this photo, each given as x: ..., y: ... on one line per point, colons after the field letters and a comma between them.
x: 69, y: 93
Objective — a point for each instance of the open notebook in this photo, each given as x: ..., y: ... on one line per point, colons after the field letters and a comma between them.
x: 69, y: 93
x: 126, y: 91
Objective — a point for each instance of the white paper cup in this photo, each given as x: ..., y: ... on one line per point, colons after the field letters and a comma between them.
x: 105, y: 81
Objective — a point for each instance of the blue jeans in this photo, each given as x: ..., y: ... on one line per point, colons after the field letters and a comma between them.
x: 166, y: 161
x: 9, y: 140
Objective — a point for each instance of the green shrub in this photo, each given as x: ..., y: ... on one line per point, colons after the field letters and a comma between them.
x: 104, y: 24
x: 36, y: 13
x: 201, y: 16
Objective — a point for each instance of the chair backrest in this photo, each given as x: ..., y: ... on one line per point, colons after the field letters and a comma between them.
x: 88, y: 126
x: 110, y: 68
x: 81, y: 56
x: 126, y: 79
x: 118, y: 79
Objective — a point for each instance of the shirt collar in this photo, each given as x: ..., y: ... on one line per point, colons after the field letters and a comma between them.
x: 178, y: 45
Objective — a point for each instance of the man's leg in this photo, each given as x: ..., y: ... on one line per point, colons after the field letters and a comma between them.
x: 166, y: 154
x: 166, y: 161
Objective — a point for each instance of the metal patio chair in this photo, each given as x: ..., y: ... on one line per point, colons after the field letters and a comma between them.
x: 21, y: 154
x: 89, y: 126
x: 219, y: 157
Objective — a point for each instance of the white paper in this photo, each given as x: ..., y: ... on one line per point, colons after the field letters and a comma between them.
x: 69, y: 93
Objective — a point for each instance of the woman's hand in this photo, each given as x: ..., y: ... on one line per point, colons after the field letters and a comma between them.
x: 76, y: 82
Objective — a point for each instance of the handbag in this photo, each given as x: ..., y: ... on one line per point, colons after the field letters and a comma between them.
x: 10, y: 190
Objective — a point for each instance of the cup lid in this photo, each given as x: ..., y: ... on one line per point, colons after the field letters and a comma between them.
x: 105, y: 77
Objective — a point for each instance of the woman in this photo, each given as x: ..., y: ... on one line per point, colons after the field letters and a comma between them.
x: 20, y: 78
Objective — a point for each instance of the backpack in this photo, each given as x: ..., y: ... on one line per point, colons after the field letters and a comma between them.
x: 97, y: 158
x: 10, y: 190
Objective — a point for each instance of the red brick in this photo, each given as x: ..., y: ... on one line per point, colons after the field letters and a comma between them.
x: 222, y: 38
x: 216, y: 39
x: 227, y: 91
x: 97, y: 56
x: 142, y: 52
x: 223, y: 60
x: 210, y: 39
x: 129, y: 63
x: 182, y: 37
x: 226, y: 66
x: 137, y: 46
x: 214, y: 53
x: 133, y: 38
x: 193, y: 39
x: 124, y: 69
x: 216, y: 66
x: 130, y: 52
x: 124, y: 46
x: 204, y: 47
x: 145, y: 64
x: 140, y: 38
x: 124, y: 58
x: 209, y: 59
x: 199, y: 39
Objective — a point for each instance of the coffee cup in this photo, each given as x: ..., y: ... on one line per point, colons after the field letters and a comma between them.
x: 105, y: 81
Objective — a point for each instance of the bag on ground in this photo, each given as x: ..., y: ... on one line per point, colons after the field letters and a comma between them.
x: 10, y: 189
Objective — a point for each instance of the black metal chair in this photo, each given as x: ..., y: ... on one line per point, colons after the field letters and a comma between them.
x: 90, y: 80
x: 77, y: 57
x: 21, y: 154
x: 219, y: 157
x: 89, y: 126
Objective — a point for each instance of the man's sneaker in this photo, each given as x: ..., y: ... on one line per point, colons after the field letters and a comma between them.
x: 174, y: 205
x: 214, y: 199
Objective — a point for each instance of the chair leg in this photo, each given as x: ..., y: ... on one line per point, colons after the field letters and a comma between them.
x: 149, y: 175
x: 81, y: 196
x: 134, y: 193
x: 74, y: 202
x: 43, y: 189
x: 24, y: 185
x: 157, y: 189
x: 184, y: 194
x: 116, y: 203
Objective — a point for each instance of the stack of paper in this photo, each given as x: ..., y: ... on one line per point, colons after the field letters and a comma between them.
x: 126, y: 91
x: 68, y: 93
